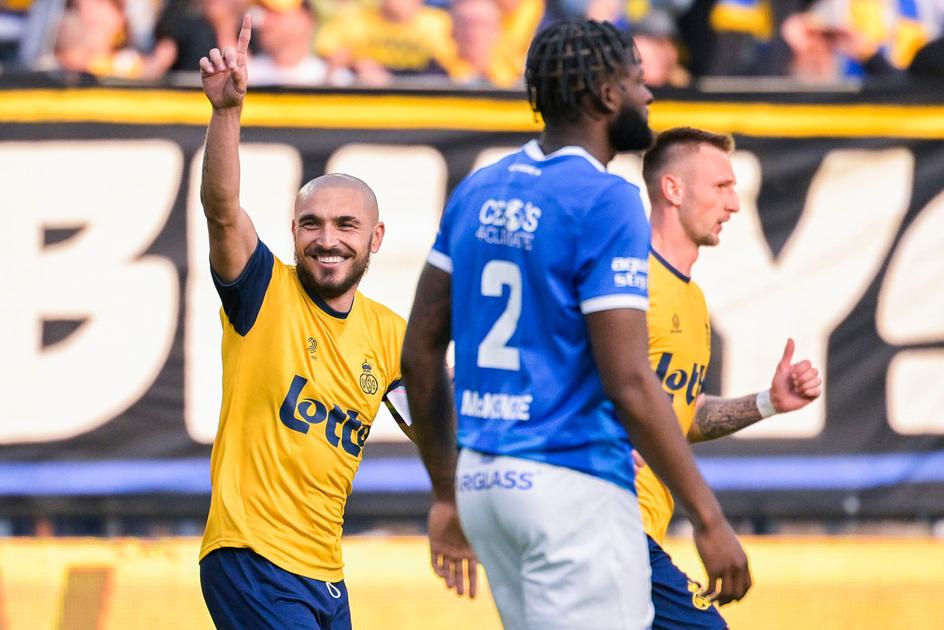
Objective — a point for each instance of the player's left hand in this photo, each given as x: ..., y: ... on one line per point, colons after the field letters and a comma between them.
x: 794, y: 385
x: 451, y: 555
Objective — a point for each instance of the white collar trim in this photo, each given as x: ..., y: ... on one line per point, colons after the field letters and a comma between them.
x: 533, y: 151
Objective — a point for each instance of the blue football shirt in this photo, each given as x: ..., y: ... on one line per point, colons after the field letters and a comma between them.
x: 533, y: 243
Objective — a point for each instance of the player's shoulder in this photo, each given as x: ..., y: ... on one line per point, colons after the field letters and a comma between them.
x: 607, y: 198
x: 618, y: 186
x: 695, y: 288
x: 381, y: 314
x: 283, y: 274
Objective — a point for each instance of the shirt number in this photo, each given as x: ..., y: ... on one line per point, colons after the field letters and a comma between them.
x: 494, y: 351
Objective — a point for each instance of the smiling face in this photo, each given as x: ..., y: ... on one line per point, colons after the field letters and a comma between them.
x: 707, y: 198
x: 336, y: 229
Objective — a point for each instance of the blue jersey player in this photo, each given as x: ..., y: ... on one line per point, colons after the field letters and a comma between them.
x: 539, y: 274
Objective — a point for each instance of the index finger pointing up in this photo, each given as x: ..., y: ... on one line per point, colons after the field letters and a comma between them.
x: 242, y: 45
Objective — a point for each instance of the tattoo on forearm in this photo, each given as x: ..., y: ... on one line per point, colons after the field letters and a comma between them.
x: 205, y: 169
x: 718, y: 417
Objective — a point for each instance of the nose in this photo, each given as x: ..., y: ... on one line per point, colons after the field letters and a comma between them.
x: 327, y: 236
x: 735, y: 204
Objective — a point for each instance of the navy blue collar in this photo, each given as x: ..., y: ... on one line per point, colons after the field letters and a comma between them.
x: 665, y: 263
x: 320, y: 303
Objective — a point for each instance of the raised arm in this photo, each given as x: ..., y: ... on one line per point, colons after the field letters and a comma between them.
x: 645, y: 411
x: 232, y: 235
x: 429, y: 391
x: 794, y: 386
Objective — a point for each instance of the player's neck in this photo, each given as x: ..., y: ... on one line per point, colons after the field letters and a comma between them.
x: 342, y: 303
x: 586, y: 137
x: 338, y: 306
x: 675, y: 247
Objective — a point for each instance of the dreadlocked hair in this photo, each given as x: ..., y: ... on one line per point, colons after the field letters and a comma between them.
x: 571, y: 59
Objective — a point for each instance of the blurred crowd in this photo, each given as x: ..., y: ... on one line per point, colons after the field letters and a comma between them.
x: 472, y: 43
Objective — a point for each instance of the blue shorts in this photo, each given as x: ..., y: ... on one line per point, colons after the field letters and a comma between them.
x: 675, y: 597
x: 244, y: 590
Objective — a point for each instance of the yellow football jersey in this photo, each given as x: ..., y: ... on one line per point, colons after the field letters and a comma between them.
x: 301, y: 387
x: 679, y: 351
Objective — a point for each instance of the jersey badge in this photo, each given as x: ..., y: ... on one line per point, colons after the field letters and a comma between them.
x: 368, y: 381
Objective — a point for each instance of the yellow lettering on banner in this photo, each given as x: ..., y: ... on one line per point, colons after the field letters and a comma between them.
x: 911, y: 312
x: 118, y: 195
x: 854, y: 206
x: 270, y: 177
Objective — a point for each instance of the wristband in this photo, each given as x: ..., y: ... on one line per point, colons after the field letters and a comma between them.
x: 764, y: 404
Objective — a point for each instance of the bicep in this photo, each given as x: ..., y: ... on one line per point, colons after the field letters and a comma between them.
x: 620, y: 342
x: 430, y: 318
x: 231, y: 245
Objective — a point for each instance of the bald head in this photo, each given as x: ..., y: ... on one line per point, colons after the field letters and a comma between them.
x: 336, y: 229
x: 337, y: 186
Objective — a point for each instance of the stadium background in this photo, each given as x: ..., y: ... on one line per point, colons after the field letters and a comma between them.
x: 110, y: 342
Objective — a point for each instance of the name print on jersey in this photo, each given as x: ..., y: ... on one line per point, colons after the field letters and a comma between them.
x: 676, y: 380
x: 312, y: 412
x: 491, y: 406
x: 510, y: 222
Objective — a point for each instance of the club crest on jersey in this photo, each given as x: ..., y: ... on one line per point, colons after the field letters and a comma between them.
x: 510, y: 222
x: 312, y: 346
x: 301, y: 415
x: 691, y: 381
x: 368, y: 381
x: 676, y: 323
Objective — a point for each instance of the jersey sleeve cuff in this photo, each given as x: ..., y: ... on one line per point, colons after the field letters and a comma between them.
x: 440, y: 260
x: 612, y: 302
x: 397, y: 405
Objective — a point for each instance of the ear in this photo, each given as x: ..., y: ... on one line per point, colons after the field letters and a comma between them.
x: 294, y: 227
x: 377, y: 237
x: 671, y: 187
x: 611, y: 99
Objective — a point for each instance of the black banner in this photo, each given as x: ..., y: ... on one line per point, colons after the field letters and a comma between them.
x: 109, y: 326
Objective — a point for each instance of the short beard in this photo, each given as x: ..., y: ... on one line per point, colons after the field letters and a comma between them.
x: 331, y: 290
x: 630, y: 131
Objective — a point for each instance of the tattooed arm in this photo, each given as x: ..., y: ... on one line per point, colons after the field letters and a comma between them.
x: 794, y: 386
x: 717, y: 417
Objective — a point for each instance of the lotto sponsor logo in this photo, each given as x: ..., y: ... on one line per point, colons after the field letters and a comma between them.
x: 677, y: 380
x: 503, y: 479
x: 510, y: 222
x: 302, y: 415
x: 630, y: 272
x: 496, y: 406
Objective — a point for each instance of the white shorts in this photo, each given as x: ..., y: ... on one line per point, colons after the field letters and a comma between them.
x: 562, y: 550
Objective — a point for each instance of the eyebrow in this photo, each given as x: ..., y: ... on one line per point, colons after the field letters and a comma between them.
x: 344, y: 218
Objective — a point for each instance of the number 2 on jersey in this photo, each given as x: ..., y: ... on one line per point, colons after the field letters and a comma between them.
x: 494, y: 351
